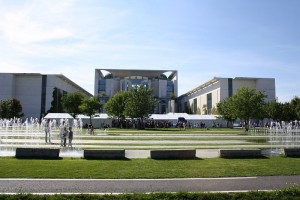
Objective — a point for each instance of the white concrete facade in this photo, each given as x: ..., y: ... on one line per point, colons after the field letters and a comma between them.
x: 204, y: 98
x: 164, y: 84
x: 34, y: 90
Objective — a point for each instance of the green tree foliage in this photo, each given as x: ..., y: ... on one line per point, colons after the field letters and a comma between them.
x: 90, y: 106
x: 288, y: 113
x: 116, y: 105
x: 274, y: 110
x: 11, y: 108
x: 56, y: 103
x: 295, y: 104
x: 214, y: 111
x: 140, y: 103
x: 72, y: 101
x: 248, y: 104
x: 226, y: 111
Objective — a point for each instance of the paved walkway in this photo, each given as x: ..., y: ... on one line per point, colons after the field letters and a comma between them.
x: 67, y: 186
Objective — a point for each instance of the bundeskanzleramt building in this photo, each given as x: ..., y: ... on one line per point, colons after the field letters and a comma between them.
x: 204, y: 98
x: 164, y: 84
x: 35, y: 90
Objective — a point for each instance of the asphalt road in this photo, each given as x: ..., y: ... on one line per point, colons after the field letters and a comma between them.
x: 67, y: 186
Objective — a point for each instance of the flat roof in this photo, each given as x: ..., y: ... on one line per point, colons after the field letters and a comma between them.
x: 122, y: 73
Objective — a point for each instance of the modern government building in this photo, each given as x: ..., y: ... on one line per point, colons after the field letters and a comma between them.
x: 35, y: 90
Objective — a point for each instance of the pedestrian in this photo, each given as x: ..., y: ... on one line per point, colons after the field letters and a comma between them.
x: 61, y: 134
x: 47, y: 131
x: 65, y: 136
x: 70, y: 137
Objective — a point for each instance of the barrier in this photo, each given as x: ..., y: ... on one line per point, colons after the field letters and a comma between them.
x: 173, y: 154
x: 240, y: 153
x: 40, y: 153
x: 292, y: 152
x: 104, y: 154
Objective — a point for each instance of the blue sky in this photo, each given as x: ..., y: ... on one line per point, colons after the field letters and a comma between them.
x: 201, y: 39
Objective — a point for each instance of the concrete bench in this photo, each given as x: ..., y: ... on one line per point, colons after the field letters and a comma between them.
x: 173, y: 154
x: 292, y: 152
x: 240, y: 153
x: 39, y: 153
x: 104, y: 154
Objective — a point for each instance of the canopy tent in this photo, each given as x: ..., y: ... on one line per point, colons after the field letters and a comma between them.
x: 175, y: 116
x: 99, y: 120
x: 58, y: 116
x: 96, y: 116
x: 193, y: 120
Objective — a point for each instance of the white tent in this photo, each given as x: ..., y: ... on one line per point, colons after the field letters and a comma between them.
x: 58, y: 116
x: 99, y: 120
x: 193, y: 120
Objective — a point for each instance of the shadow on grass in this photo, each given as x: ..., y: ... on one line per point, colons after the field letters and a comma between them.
x: 246, y: 157
x: 120, y: 159
x: 179, y: 159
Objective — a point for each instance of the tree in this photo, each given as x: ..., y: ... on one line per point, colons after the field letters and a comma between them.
x: 72, y: 101
x: 90, y: 106
x: 139, y: 104
x: 56, y: 103
x: 274, y: 110
x: 214, y: 111
x: 288, y: 113
x: 16, y: 108
x: 248, y: 104
x: 204, y: 109
x: 226, y: 110
x: 116, y: 105
x: 11, y: 108
x: 295, y: 104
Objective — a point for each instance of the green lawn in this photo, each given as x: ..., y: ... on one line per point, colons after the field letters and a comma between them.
x: 147, y: 168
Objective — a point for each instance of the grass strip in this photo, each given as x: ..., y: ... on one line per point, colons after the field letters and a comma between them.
x: 147, y: 168
x: 292, y: 193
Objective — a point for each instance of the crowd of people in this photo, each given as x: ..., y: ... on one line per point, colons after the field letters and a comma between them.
x: 149, y: 123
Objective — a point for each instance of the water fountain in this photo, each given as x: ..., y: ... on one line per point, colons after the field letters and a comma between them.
x: 284, y: 135
x: 31, y: 134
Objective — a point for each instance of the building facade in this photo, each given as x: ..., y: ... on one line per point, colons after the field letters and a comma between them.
x: 35, y: 90
x: 204, y: 98
x: 164, y: 84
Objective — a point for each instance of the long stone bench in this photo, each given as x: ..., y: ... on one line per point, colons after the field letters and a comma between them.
x: 40, y: 153
x: 292, y: 152
x: 240, y: 153
x: 173, y: 154
x: 104, y: 154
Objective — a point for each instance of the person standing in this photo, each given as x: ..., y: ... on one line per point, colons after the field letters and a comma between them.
x: 47, y: 131
x: 62, y: 132
x: 70, y: 137
x: 65, y: 136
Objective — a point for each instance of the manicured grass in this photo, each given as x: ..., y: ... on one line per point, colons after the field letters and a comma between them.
x: 288, y: 193
x: 147, y: 168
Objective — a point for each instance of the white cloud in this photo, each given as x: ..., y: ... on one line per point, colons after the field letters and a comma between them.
x: 32, y: 23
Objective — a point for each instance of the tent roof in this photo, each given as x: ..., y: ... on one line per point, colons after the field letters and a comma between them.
x: 58, y: 116
x: 168, y: 116
x: 96, y: 116
x: 174, y: 116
